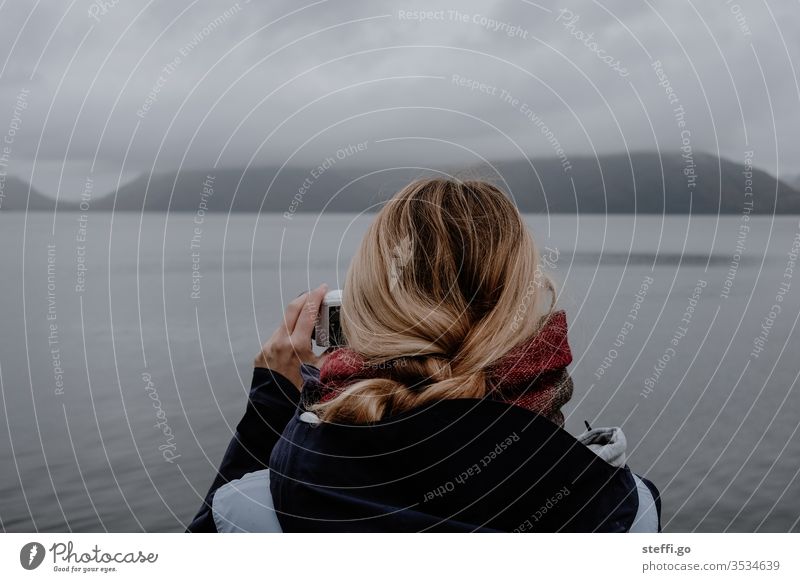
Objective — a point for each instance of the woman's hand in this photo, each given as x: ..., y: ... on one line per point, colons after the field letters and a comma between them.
x: 290, y: 345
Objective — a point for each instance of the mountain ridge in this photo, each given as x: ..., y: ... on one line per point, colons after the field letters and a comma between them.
x: 613, y: 183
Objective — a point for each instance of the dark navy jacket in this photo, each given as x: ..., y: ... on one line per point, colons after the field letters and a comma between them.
x: 455, y: 465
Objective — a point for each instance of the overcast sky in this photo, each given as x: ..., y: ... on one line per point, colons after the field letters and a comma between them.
x: 138, y: 87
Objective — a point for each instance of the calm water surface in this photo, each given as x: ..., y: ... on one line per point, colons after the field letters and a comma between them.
x: 674, y: 336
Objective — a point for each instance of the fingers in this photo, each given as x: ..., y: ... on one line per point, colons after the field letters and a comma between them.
x: 301, y: 334
x: 290, y: 344
x: 293, y: 311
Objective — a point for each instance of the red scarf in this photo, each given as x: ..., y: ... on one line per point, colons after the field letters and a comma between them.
x: 532, y: 375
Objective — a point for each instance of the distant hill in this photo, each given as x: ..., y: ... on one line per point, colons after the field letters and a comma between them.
x: 15, y: 197
x: 645, y: 183
x: 793, y: 181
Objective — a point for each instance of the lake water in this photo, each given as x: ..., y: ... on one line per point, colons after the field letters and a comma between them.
x: 100, y: 315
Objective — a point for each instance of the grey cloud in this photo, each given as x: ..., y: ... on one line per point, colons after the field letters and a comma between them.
x: 218, y: 96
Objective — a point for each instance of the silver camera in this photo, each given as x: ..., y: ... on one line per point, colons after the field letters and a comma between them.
x: 328, y: 330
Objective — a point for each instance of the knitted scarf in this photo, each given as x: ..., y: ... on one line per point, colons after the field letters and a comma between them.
x: 533, y: 375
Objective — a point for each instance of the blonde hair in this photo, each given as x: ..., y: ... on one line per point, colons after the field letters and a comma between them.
x: 446, y: 281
